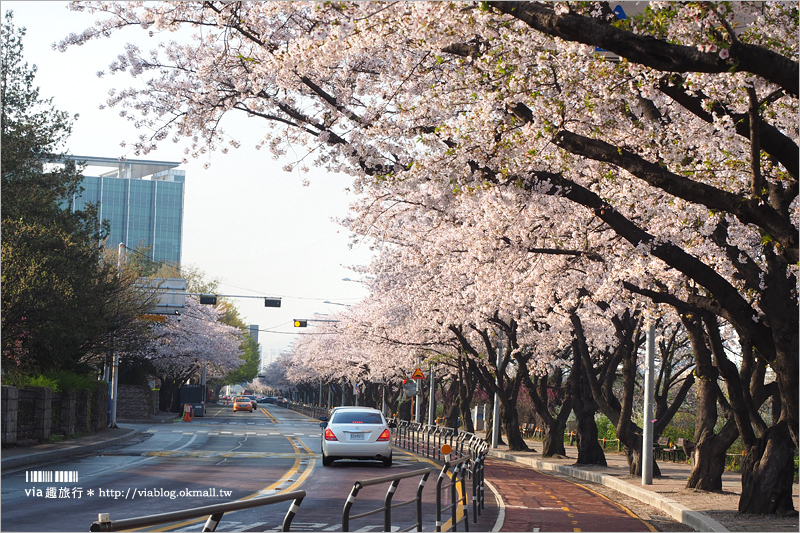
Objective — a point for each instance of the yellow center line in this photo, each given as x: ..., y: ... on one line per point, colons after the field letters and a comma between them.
x: 270, y: 416
x: 289, y: 474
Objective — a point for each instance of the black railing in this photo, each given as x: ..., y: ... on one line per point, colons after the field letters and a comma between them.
x: 387, y: 507
x: 456, y: 482
x: 214, y: 513
x: 466, y: 449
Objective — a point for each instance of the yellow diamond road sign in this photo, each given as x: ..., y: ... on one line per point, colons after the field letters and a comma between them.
x: 418, y: 374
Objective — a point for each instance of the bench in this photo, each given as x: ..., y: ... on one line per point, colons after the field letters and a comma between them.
x: 665, y: 450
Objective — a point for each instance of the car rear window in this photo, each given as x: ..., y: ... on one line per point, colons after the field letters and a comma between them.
x: 356, y: 417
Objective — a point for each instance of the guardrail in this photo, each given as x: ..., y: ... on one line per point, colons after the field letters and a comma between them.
x: 469, y: 450
x: 314, y: 411
x: 387, y: 501
x: 214, y: 513
x: 459, y: 475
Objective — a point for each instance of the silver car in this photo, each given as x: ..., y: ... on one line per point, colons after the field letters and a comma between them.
x: 356, y: 433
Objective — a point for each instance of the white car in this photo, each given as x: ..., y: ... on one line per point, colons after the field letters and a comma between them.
x: 356, y: 433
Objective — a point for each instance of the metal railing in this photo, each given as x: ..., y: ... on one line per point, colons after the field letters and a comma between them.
x: 387, y: 507
x: 313, y: 411
x: 467, y: 449
x: 459, y: 474
x: 214, y: 513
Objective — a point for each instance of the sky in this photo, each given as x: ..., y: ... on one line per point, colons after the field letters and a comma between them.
x: 256, y: 228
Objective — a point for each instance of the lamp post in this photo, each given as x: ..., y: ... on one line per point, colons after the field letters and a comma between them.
x: 649, y: 400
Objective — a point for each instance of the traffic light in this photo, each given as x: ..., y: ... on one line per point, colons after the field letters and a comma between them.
x: 300, y: 323
x: 272, y: 302
x: 208, y: 299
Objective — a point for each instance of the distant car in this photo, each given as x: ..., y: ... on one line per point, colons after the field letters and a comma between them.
x: 270, y: 399
x: 242, y: 404
x: 252, y: 400
x: 356, y: 433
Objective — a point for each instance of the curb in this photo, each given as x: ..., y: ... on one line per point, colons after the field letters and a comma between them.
x: 696, y: 520
x: 62, y: 451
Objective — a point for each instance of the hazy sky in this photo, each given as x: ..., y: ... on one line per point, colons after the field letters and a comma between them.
x: 246, y: 221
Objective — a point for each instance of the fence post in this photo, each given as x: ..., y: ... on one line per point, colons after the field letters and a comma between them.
x: 68, y: 412
x: 99, y: 409
x: 8, y: 416
x: 43, y: 412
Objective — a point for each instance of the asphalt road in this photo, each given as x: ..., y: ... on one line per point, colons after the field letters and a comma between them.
x: 228, y: 456
x: 218, y: 458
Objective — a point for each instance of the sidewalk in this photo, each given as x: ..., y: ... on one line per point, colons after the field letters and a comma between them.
x: 703, y: 511
x: 50, y: 452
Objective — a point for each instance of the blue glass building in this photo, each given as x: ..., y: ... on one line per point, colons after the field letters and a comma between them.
x: 141, y: 200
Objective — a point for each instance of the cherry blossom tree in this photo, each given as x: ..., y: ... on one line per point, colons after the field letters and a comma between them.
x: 677, y: 164
x: 182, y: 348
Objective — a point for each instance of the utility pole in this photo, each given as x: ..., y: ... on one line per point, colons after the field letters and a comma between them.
x: 431, y: 397
x: 114, y: 385
x: 649, y: 400
x: 496, y: 406
x: 418, y: 403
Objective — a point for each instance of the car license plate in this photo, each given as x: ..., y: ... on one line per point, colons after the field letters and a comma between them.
x: 357, y: 436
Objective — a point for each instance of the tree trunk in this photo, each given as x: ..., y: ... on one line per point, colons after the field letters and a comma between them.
x: 465, y: 391
x: 633, y: 452
x: 583, y: 405
x: 589, y: 450
x: 510, y: 421
x: 168, y: 397
x: 708, y: 464
x: 553, y: 443
x: 767, y: 473
x: 404, y: 410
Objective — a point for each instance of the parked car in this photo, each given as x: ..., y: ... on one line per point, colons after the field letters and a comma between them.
x: 356, y: 433
x: 242, y: 404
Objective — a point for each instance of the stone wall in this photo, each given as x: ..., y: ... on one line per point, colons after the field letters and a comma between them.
x: 46, y: 414
x: 136, y: 401
x: 8, y: 415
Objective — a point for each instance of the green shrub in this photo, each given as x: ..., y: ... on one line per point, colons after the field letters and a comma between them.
x: 55, y: 380
x: 605, y: 429
x: 38, y: 381
x: 70, y: 380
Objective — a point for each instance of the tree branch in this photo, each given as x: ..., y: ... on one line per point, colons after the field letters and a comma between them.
x: 651, y: 52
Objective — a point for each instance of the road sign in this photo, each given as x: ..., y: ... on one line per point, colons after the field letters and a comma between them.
x: 409, y: 388
x: 418, y: 374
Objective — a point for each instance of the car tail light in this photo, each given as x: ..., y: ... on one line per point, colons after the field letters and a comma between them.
x: 329, y: 435
x: 385, y: 436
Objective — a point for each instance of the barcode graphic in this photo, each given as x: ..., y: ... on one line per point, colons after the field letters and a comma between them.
x: 51, y: 476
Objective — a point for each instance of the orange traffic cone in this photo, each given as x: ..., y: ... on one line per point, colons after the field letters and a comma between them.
x: 187, y: 409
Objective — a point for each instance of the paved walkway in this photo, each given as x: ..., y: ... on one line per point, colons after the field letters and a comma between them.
x: 704, y: 511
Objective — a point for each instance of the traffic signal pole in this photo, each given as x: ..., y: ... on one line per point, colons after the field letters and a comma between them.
x: 431, y: 397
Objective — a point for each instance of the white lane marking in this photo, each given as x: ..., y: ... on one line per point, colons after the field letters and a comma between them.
x: 501, y: 508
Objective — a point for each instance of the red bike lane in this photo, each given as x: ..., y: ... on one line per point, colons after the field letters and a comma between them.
x: 535, y: 501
